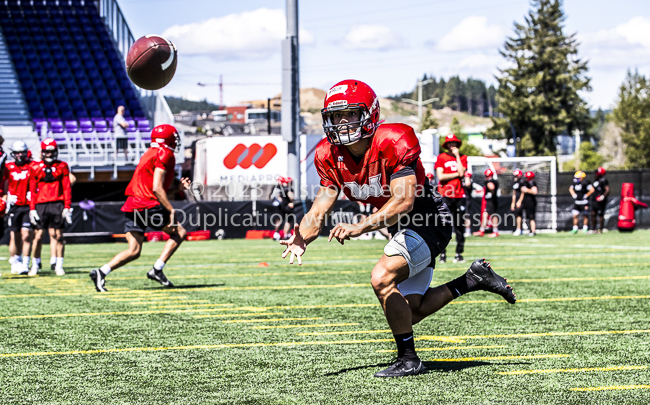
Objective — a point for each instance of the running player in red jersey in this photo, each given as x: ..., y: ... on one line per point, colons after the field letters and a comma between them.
x: 147, y: 206
x: 51, y: 197
x: 380, y: 165
x: 16, y: 174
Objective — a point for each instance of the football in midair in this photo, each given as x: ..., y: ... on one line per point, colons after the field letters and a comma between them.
x: 151, y: 62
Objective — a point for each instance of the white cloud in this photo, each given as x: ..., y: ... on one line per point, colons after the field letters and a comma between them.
x: 625, y: 46
x: 471, y: 33
x: 248, y: 35
x: 372, y: 37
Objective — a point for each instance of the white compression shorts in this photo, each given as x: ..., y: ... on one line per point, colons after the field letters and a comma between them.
x: 408, y: 244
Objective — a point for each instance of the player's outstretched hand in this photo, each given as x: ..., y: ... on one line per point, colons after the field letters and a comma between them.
x: 186, y: 182
x: 343, y: 232
x: 295, y: 245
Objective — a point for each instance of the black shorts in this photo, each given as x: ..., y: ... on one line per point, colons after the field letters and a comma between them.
x: 582, y: 209
x: 122, y: 143
x: 490, y: 207
x: 155, y: 218
x: 18, y: 218
x: 51, y: 215
x: 530, y: 207
x: 599, y: 207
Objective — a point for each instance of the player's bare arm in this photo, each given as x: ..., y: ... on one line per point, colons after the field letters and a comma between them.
x: 442, y: 176
x: 573, y: 193
x: 401, y: 202
x: 311, y: 224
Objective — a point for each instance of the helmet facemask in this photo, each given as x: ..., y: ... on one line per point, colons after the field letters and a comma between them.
x: 49, y: 155
x: 347, y: 133
x: 20, y: 157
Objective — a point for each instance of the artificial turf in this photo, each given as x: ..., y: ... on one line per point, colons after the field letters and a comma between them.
x: 245, y: 327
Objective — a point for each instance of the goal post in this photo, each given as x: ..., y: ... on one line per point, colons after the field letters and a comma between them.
x: 545, y: 169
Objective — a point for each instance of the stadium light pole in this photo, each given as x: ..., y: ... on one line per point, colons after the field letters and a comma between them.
x: 291, y: 96
x: 421, y: 103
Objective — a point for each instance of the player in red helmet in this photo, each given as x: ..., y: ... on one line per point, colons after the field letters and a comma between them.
x: 490, y: 203
x: 147, y: 206
x: 450, y: 169
x: 599, y: 203
x: 50, y: 203
x: 16, y: 174
x: 380, y: 165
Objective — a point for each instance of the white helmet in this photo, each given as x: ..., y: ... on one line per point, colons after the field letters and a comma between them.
x: 20, y: 152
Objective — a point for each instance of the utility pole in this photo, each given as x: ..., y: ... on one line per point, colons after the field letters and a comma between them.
x: 220, y: 91
x: 291, y: 96
x: 421, y: 103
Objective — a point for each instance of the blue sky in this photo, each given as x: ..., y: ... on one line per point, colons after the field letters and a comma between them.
x: 387, y: 44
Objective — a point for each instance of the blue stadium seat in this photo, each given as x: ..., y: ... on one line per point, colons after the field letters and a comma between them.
x: 56, y: 125
x: 28, y: 84
x: 116, y: 93
x: 78, y: 105
x: 97, y: 84
x: 60, y: 95
x: 31, y: 95
x: 81, y: 113
x: 41, y: 85
x: 79, y: 74
x: 89, y: 64
x: 35, y: 105
x: 67, y: 115
x: 34, y: 64
x: 38, y: 74
x: 66, y: 74
x: 106, y: 104
x: 88, y: 94
x: 102, y: 94
x: 93, y: 74
x: 51, y: 74
x: 74, y: 95
x: 83, y: 84
x: 70, y: 84
x: 117, y: 64
x: 61, y: 63
x: 23, y: 75
x: 56, y: 85
x: 112, y: 84
x: 96, y: 114
x: 49, y: 105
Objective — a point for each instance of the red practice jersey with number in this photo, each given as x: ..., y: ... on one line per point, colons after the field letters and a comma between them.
x: 49, y: 183
x: 18, y: 180
x: 451, y: 188
x: 392, y: 149
x: 139, y: 192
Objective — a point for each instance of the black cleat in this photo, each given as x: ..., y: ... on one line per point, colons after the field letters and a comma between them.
x: 403, y: 368
x: 459, y: 258
x: 52, y: 266
x: 480, y: 276
x: 159, y: 276
x: 443, y: 258
x: 98, y: 279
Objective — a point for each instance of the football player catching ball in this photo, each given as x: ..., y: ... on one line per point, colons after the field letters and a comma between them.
x: 380, y: 165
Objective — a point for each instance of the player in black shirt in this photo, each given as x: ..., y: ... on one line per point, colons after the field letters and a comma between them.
x: 529, y: 202
x: 283, y: 199
x: 599, y: 202
x: 516, y: 196
x: 580, y: 191
x: 490, y: 204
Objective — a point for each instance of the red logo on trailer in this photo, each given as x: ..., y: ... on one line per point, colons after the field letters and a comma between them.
x: 254, y: 155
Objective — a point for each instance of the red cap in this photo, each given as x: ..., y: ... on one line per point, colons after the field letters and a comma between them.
x: 517, y: 173
x: 600, y: 172
x: 451, y: 138
x: 488, y: 173
x: 430, y: 176
x: 530, y: 175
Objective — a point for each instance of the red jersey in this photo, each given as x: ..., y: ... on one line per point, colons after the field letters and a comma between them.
x: 18, y: 178
x: 49, y: 183
x: 451, y: 188
x: 139, y: 192
x: 392, y: 149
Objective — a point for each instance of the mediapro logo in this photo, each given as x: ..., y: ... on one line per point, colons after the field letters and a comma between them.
x: 255, y: 155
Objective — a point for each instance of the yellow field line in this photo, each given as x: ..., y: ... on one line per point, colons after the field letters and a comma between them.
x: 614, y: 387
x: 544, y: 280
x: 146, y: 298
x: 278, y: 306
x: 571, y: 370
x: 536, y: 356
x: 171, y: 301
x: 544, y: 334
x: 425, y: 349
x: 268, y: 320
x: 235, y: 315
x: 344, y: 332
x: 317, y: 325
x: 219, y: 346
x: 606, y: 297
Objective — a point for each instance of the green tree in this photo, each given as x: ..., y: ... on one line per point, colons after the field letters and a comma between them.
x: 539, y: 93
x: 428, y: 121
x: 632, y: 115
x: 466, y: 148
x: 455, y: 127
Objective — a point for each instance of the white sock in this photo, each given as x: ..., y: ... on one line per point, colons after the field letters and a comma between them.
x: 26, y: 260
x: 159, y: 265
x: 38, y: 261
x: 482, y: 229
x: 585, y: 227
x: 105, y: 269
x: 59, y: 262
x: 14, y: 259
x: 575, y: 227
x: 495, y: 229
x: 52, y: 259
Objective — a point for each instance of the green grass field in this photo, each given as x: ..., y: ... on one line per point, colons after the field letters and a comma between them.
x: 235, y: 332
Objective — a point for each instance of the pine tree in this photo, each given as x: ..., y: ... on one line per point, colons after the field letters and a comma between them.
x: 428, y: 121
x: 539, y: 93
x: 632, y: 115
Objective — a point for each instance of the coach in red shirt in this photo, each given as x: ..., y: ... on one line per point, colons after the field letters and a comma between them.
x: 450, y: 169
x: 147, y: 206
x: 51, y: 196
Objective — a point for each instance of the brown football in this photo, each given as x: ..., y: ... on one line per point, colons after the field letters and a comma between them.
x: 151, y: 62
